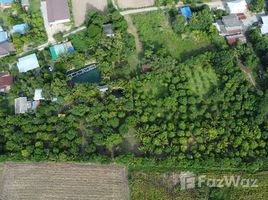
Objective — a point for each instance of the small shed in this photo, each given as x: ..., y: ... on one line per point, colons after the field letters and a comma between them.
x: 59, y: 49
x: 6, y: 80
x: 103, y: 88
x: 186, y: 12
x: 237, y: 6
x: 108, y: 30
x: 27, y: 63
x: 38, y: 95
x: 3, y: 36
x: 22, y: 105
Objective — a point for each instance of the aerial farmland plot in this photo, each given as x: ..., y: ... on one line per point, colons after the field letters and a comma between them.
x: 124, y: 4
x: 62, y: 181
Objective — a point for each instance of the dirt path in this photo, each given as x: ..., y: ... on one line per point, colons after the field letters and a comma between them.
x: 133, y: 31
x: 247, y: 71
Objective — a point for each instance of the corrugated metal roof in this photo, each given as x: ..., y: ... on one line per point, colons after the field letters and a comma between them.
x: 6, y: 1
x: 20, y: 28
x: 57, y: 10
x: 27, y: 63
x: 3, y: 36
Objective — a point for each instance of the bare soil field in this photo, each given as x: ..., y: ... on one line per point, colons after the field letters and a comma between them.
x: 59, y: 181
x: 81, y: 7
x: 134, y: 3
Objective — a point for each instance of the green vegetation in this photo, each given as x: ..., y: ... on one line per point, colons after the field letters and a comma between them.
x: 256, y: 5
x: 165, y: 186
x: 196, y: 109
x: 154, y: 30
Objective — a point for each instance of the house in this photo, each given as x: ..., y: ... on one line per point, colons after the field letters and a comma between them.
x: 57, y: 11
x: 27, y: 63
x: 264, y: 27
x: 108, y: 30
x: 38, y: 95
x: 3, y: 36
x: 6, y: 81
x: 6, y: 48
x: 25, y: 4
x: 186, y: 12
x: 229, y: 25
x: 232, y: 28
x: 237, y: 6
x: 6, y: 3
x: 59, y: 49
x: 20, y: 28
x: 22, y: 105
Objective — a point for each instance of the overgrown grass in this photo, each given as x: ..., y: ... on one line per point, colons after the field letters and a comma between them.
x: 159, y: 186
x: 35, y: 5
x: 154, y: 29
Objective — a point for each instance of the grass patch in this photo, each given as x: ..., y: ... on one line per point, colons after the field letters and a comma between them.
x: 154, y: 29
x: 3, y: 18
x: 35, y: 6
x: 160, y: 186
x: 201, y: 79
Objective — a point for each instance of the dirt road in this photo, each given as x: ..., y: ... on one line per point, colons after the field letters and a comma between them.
x: 133, y: 31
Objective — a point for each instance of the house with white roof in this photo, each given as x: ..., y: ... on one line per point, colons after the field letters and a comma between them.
x: 27, y: 63
x: 38, y: 95
x: 264, y: 27
x: 237, y: 6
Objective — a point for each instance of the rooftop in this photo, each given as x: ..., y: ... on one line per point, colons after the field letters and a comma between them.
x: 108, y: 30
x: 21, y: 105
x: 3, y: 36
x: 237, y: 6
x: 20, y: 28
x: 57, y: 10
x: 27, y: 63
x: 6, y: 81
x: 59, y: 49
x: 6, y: 48
x: 231, y: 21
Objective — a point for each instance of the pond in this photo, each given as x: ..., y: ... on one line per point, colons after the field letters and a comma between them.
x: 92, y: 76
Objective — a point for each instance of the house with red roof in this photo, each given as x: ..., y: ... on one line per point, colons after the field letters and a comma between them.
x: 6, y: 81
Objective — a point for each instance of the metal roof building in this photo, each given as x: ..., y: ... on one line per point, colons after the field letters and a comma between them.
x: 264, y: 28
x: 59, y: 49
x: 28, y: 63
x: 20, y: 28
x: 57, y: 11
x: 3, y: 36
x: 238, y: 6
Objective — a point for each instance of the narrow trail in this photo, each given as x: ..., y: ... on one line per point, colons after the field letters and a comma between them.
x: 133, y: 31
x: 248, y: 72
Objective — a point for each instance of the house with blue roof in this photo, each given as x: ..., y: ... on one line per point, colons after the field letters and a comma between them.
x: 20, y: 28
x: 27, y: 63
x: 3, y: 36
x: 186, y: 12
x: 6, y: 3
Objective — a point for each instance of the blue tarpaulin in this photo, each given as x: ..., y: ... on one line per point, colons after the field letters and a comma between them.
x: 186, y: 11
x: 20, y: 28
